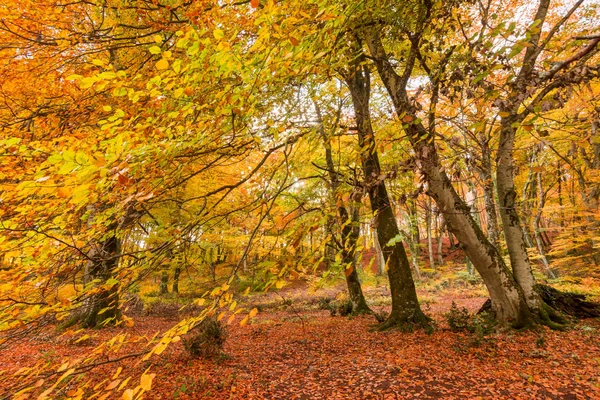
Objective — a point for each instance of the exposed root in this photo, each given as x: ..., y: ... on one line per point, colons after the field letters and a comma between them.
x: 405, y: 323
x: 556, y: 307
x: 361, y: 309
x: 572, y: 304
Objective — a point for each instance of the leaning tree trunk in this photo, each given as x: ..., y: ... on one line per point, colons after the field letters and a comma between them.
x: 507, y: 297
x: 350, y: 229
x: 405, y: 305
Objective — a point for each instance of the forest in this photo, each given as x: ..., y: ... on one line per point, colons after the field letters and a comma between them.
x: 317, y: 199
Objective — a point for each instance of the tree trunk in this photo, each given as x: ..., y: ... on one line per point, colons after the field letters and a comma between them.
x: 350, y: 228
x: 176, y: 275
x: 101, y: 307
x: 164, y: 284
x: 440, y: 242
x: 536, y: 228
x: 526, y: 195
x: 378, y: 254
x: 513, y: 232
x: 429, y: 236
x: 415, y: 237
x: 405, y: 305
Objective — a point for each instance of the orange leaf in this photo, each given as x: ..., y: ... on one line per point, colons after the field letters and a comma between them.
x: 162, y: 64
x: 294, y: 41
x: 123, y: 180
x: 254, y: 3
x: 64, y: 192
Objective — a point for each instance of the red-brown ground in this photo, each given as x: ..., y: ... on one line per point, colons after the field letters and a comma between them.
x: 298, y: 354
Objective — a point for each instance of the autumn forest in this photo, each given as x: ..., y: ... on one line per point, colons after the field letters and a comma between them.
x: 278, y: 199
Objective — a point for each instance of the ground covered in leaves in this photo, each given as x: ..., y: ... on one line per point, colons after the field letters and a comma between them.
x: 289, y: 352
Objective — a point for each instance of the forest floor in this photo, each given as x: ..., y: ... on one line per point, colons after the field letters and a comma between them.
x: 290, y: 351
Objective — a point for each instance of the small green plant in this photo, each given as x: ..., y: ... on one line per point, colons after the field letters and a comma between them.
x: 206, y: 340
x: 324, y: 303
x: 460, y: 320
x: 342, y: 308
x: 540, y: 342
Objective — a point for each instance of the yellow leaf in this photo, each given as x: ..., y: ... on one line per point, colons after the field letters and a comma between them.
x: 127, y: 395
x: 218, y: 34
x: 244, y: 321
x: 64, y: 192
x: 253, y: 312
x: 117, y: 373
x: 124, y: 383
x: 162, y: 64
x: 146, y: 381
x: 221, y: 315
x: 154, y: 50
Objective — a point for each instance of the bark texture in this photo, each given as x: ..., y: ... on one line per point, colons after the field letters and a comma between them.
x: 405, y: 305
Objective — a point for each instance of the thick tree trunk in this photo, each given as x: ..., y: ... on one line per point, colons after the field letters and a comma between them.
x: 102, y: 306
x: 405, y: 305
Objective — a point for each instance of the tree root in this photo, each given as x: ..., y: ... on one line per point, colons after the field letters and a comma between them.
x: 556, y: 309
x: 361, y: 309
x: 572, y: 304
x: 405, y: 323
